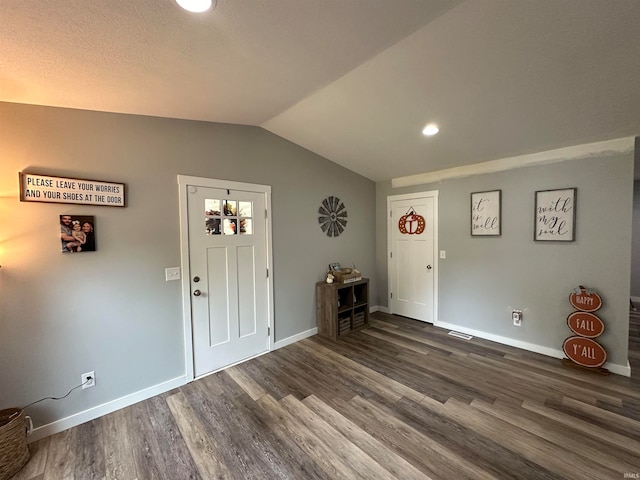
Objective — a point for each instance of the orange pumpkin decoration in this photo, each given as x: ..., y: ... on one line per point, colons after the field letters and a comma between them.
x: 411, y: 223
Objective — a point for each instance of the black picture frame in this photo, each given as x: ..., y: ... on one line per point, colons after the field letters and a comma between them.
x: 84, y: 243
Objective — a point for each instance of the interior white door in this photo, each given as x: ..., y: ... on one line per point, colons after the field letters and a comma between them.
x: 412, y: 258
x: 228, y: 269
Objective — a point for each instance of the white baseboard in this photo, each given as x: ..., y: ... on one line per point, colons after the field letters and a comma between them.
x: 295, y: 338
x: 104, y: 409
x: 379, y: 308
x: 619, y: 369
x: 636, y: 300
x: 122, y: 402
x: 531, y: 347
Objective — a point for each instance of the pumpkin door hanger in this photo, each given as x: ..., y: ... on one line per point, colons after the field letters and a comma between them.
x: 411, y: 223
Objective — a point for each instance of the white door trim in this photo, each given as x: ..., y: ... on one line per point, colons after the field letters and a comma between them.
x: 183, y: 182
x: 390, y: 225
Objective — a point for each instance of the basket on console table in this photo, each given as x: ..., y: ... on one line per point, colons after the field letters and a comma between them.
x: 14, y: 452
x: 346, y: 275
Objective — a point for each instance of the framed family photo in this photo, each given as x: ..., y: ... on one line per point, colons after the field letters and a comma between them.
x: 555, y: 215
x: 486, y: 213
x: 77, y: 233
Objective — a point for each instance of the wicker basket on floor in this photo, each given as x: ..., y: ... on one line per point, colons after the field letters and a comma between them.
x: 14, y: 452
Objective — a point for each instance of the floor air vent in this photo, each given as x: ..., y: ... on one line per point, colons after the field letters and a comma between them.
x: 460, y: 335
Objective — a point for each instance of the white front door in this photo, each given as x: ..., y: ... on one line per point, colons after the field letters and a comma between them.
x: 228, y: 278
x: 412, y: 235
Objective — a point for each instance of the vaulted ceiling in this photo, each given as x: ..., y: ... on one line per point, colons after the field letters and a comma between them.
x: 352, y: 80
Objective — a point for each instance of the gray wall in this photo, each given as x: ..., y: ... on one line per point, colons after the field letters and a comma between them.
x: 112, y: 311
x: 484, y: 278
x: 635, y: 244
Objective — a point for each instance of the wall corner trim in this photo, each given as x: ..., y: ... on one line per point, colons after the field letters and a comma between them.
x: 579, y: 152
x: 104, y: 409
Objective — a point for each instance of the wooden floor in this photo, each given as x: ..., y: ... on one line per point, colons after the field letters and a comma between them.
x: 399, y: 400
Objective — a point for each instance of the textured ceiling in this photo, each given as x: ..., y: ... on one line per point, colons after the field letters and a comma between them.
x: 352, y: 80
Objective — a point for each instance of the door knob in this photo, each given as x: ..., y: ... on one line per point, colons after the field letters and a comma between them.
x: 197, y: 293
x: 428, y: 267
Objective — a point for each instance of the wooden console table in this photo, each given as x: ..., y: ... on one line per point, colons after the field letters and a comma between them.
x: 342, y: 307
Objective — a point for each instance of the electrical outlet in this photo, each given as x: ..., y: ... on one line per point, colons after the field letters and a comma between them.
x: 516, y: 315
x: 172, y: 273
x: 90, y: 379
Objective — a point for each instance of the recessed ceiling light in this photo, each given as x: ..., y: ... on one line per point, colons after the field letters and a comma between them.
x: 196, y: 6
x: 430, y: 129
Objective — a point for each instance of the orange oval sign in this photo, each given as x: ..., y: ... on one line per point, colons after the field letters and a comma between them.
x: 585, y: 324
x: 584, y: 351
x: 585, y: 301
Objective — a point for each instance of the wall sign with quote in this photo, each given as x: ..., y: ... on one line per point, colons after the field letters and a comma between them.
x: 50, y: 189
x: 555, y: 215
x: 486, y: 213
x: 411, y: 223
x: 332, y: 216
x: 581, y: 348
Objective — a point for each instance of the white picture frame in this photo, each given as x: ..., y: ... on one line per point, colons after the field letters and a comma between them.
x: 555, y: 215
x: 486, y: 213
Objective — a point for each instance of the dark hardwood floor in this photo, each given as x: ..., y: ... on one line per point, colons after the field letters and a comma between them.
x: 401, y: 399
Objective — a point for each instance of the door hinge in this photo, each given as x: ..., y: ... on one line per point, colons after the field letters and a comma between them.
x: 391, y: 213
x: 390, y: 254
x: 267, y: 273
x: 391, y: 294
x: 268, y: 331
x: 266, y: 214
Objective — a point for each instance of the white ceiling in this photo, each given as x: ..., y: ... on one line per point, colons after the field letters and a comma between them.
x: 352, y: 80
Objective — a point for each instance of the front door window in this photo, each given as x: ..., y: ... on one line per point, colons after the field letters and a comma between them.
x: 228, y: 217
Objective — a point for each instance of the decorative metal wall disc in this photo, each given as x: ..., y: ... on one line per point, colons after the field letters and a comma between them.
x: 333, y: 216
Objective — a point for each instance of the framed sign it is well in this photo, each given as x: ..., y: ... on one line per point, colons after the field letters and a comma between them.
x: 486, y: 213
x: 50, y: 189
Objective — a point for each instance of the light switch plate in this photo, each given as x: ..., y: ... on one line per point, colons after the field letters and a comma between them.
x: 443, y: 254
x: 172, y: 273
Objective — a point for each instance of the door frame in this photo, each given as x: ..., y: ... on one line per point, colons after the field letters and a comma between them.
x: 183, y: 182
x: 390, y: 225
